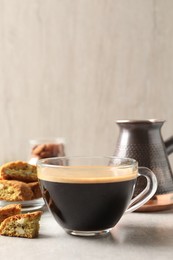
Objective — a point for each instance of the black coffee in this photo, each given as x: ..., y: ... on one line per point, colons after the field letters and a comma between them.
x: 87, y: 205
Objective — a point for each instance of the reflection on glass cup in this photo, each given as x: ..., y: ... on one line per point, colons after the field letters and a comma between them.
x: 88, y: 195
x: 46, y: 148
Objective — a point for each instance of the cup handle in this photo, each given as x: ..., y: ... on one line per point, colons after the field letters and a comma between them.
x: 147, y: 193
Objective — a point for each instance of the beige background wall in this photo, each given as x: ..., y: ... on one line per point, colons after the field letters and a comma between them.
x: 72, y: 67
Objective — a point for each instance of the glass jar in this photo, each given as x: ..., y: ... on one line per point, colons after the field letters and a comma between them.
x: 46, y: 148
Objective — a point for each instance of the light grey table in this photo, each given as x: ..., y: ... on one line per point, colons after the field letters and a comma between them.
x: 137, y: 236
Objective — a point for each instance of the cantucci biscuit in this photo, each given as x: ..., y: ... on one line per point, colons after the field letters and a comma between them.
x: 35, y: 187
x: 9, y: 210
x: 15, y: 191
x: 19, y: 170
x: 22, y: 225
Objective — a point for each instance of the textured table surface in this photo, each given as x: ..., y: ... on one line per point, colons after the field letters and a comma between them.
x: 136, y: 236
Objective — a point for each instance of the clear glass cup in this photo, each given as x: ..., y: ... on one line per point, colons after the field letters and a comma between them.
x: 89, y: 195
x: 45, y: 148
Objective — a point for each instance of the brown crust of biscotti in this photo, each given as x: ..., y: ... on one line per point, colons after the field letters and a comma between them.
x: 29, y: 215
x: 35, y: 187
x: 9, y: 210
x: 21, y: 225
x: 15, y: 191
x: 19, y: 170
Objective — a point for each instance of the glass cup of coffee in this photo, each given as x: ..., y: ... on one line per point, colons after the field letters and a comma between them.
x: 88, y: 195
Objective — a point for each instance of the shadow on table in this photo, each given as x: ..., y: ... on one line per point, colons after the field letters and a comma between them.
x: 145, y: 235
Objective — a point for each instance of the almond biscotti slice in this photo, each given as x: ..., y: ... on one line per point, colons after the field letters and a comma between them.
x: 35, y: 187
x: 19, y: 170
x: 9, y: 210
x: 22, y: 225
x: 15, y: 191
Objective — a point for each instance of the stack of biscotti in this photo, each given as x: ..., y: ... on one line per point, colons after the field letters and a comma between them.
x: 19, y: 182
x: 15, y: 224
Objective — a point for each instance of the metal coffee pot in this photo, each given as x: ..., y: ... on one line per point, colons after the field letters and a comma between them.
x: 142, y: 140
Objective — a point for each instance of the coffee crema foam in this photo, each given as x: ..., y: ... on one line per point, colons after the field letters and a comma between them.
x: 87, y: 174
